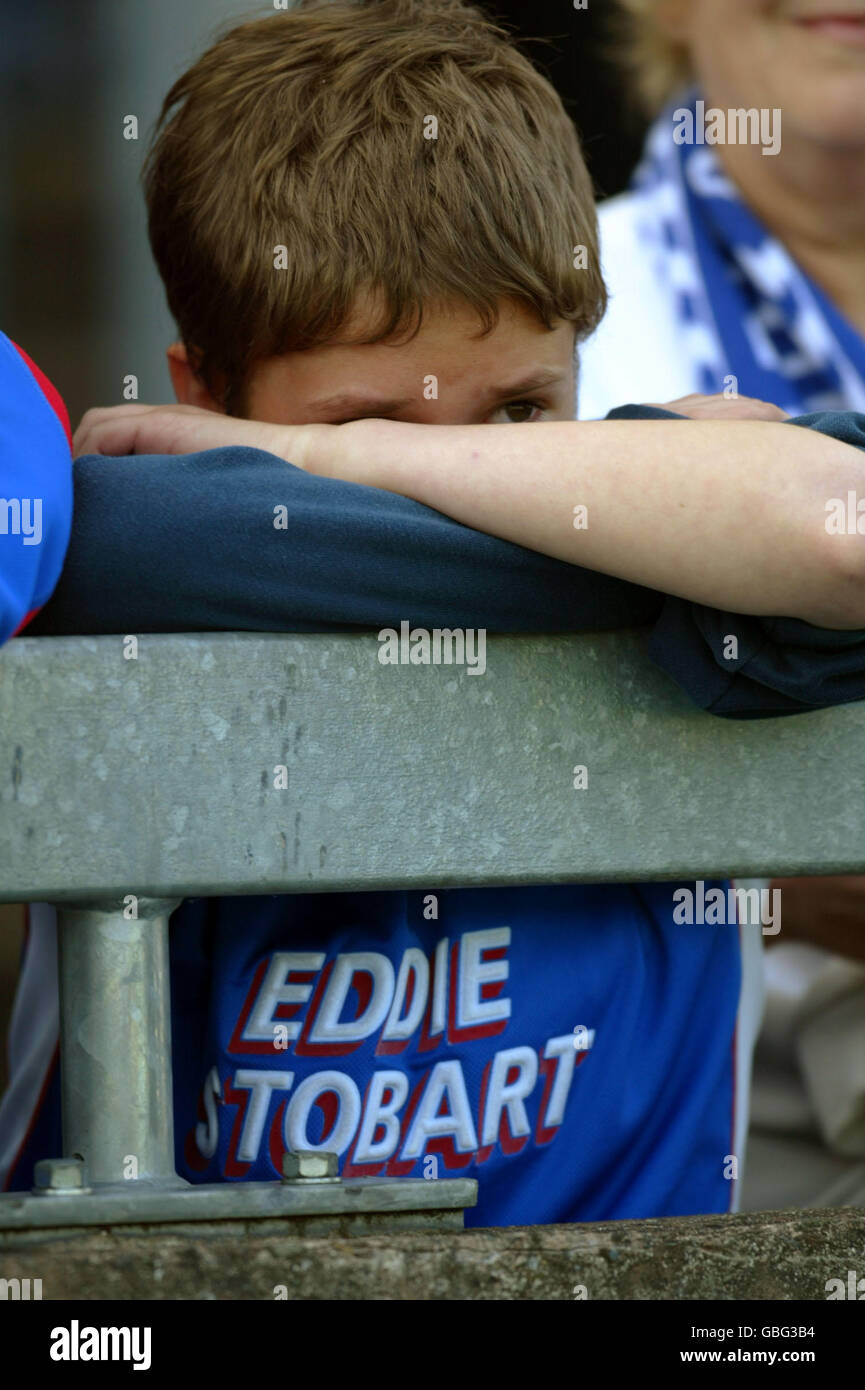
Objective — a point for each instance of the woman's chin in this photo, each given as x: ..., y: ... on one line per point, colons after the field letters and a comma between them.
x: 829, y: 112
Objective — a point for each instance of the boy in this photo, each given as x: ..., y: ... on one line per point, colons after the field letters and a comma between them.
x: 570, y: 1046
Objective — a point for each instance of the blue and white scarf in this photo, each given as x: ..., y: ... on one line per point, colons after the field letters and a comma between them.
x: 744, y: 306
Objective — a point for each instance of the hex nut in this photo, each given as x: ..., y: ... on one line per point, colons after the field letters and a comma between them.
x: 310, y: 1165
x: 57, y: 1176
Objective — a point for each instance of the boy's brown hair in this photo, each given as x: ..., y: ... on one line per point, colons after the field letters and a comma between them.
x: 307, y: 130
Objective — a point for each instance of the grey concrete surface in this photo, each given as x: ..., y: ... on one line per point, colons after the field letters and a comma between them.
x: 774, y: 1256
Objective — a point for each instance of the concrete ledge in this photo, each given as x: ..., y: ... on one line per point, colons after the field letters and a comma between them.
x: 765, y: 1255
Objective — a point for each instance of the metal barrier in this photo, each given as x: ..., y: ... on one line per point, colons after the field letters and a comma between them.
x: 144, y: 770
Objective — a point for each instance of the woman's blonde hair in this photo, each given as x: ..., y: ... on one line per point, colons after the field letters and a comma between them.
x: 660, y: 64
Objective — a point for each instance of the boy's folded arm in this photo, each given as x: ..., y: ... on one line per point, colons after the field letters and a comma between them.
x: 727, y: 514
x: 183, y: 544
x: 749, y: 667
x: 235, y: 538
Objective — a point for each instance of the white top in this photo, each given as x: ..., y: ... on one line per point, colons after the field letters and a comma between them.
x: 640, y: 354
x: 637, y: 356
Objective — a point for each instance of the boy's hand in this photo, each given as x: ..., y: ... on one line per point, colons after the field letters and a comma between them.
x: 723, y: 407
x: 186, y: 429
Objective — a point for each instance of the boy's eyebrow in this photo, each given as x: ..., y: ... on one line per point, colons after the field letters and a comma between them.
x: 350, y: 401
x: 525, y: 385
x: 373, y: 405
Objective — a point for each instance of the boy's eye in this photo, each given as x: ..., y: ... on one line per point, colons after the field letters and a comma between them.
x: 516, y: 412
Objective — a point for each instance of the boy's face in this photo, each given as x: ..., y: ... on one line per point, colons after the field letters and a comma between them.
x: 446, y: 375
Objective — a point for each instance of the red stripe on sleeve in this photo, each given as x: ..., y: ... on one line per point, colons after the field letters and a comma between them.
x: 52, y: 395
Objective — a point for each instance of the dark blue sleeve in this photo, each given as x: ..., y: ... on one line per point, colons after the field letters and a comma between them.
x: 775, y: 665
x: 235, y: 538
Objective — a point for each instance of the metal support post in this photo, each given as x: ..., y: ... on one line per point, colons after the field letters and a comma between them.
x: 115, y: 1042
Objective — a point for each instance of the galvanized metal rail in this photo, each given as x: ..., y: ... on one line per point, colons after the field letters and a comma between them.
x: 134, y: 772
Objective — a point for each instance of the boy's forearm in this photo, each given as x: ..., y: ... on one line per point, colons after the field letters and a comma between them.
x: 728, y: 514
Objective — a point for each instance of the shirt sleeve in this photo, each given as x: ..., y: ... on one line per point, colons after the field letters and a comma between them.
x: 237, y: 539
x: 36, y: 487
x: 744, y: 667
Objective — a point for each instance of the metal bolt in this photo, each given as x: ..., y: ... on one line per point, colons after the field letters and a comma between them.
x: 57, y: 1177
x: 310, y: 1165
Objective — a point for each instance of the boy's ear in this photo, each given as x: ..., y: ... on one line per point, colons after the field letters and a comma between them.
x: 188, y: 388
